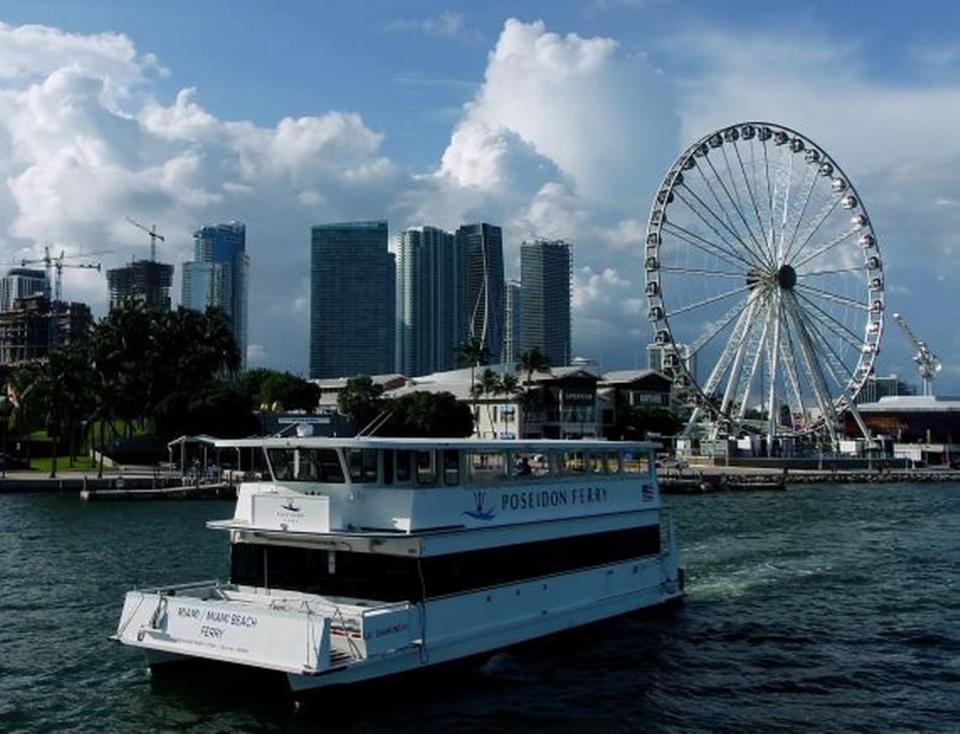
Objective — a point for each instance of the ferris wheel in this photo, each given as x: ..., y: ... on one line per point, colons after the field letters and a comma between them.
x: 762, y: 267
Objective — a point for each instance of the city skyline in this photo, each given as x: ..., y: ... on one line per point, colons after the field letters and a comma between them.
x: 554, y: 121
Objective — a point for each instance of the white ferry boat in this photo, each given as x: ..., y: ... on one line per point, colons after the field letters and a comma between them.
x: 365, y: 557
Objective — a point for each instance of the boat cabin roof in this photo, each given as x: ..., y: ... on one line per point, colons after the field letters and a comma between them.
x: 424, y: 444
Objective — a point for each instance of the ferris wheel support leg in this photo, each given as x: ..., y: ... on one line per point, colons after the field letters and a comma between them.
x: 773, y: 356
x: 861, y: 424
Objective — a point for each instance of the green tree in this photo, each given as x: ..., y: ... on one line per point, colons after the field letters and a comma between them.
x: 473, y: 353
x: 290, y: 391
x: 429, y: 415
x: 510, y: 387
x: 361, y: 400
x: 532, y: 361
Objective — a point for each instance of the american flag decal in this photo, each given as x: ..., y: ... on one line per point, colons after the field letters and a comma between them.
x: 647, y: 490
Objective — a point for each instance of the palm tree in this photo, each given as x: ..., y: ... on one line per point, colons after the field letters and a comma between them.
x: 473, y: 353
x: 489, y: 386
x: 509, y: 386
x: 532, y: 361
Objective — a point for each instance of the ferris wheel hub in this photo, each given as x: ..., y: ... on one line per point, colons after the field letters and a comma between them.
x: 786, y: 277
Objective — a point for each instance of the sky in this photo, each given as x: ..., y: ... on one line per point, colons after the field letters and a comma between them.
x: 553, y: 119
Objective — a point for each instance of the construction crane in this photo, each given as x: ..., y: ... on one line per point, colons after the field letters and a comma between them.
x: 154, y: 236
x: 928, y: 363
x: 57, y: 265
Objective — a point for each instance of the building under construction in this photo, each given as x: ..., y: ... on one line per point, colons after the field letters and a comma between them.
x: 33, y: 326
x: 142, y: 282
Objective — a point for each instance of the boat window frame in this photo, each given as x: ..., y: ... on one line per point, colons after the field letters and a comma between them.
x: 318, y: 463
x: 364, y: 454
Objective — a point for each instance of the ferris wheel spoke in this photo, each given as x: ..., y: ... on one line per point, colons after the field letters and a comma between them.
x: 753, y: 199
x: 752, y: 361
x: 836, y: 324
x: 772, y: 361
x: 760, y: 251
x: 803, y: 210
x: 707, y: 301
x: 786, y: 182
x: 730, y: 247
x: 733, y: 233
x: 837, y: 271
x: 705, y: 245
x: 703, y: 271
x: 830, y: 357
x: 825, y: 211
x: 735, y: 352
x: 718, y: 326
x: 771, y: 237
x: 728, y: 225
x: 833, y: 297
x: 842, y: 237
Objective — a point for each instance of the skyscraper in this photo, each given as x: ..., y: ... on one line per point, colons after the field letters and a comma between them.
x: 512, y: 315
x: 480, y: 248
x: 545, y: 276
x: 142, y: 282
x: 352, y: 300
x: 218, y: 276
x: 428, y: 301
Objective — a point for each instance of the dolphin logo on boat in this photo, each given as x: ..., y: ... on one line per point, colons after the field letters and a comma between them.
x: 290, y: 506
x: 479, y: 512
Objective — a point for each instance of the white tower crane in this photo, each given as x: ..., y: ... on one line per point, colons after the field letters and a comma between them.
x: 154, y: 236
x: 928, y: 363
x: 57, y: 264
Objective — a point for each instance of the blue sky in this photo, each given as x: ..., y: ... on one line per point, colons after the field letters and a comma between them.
x: 305, y: 112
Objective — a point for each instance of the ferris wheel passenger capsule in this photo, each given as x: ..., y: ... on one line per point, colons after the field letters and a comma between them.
x: 701, y: 150
x: 655, y: 314
x: 876, y: 307
x: 748, y: 132
x: 653, y: 239
x: 849, y: 201
x: 876, y: 284
x: 652, y: 289
x: 859, y: 221
x: 867, y: 241
x: 873, y: 327
x: 731, y: 135
x: 662, y: 337
x: 658, y: 217
x: 764, y: 133
x: 715, y: 140
x: 796, y: 145
x: 812, y: 156
x: 826, y: 169
x: 651, y: 263
x: 689, y: 163
x: 873, y: 263
x: 780, y: 137
x: 838, y: 185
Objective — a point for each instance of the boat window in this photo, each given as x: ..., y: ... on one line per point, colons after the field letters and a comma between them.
x: 388, y: 466
x: 305, y: 465
x: 598, y: 463
x: 529, y: 464
x: 403, y: 466
x: 426, y: 468
x: 573, y: 462
x: 451, y: 467
x: 486, y: 466
x: 636, y: 463
x: 362, y: 464
x: 612, y: 459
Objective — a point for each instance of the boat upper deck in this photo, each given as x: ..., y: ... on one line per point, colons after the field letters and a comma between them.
x: 404, y: 486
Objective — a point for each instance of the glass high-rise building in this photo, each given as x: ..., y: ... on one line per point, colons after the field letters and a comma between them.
x: 512, y: 326
x: 352, y: 300
x: 218, y: 276
x: 20, y: 283
x: 545, y: 267
x: 428, y: 301
x: 480, y: 248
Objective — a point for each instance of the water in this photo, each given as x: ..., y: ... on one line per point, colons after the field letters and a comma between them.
x: 827, y: 608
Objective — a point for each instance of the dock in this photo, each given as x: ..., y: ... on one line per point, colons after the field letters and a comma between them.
x: 217, y: 491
